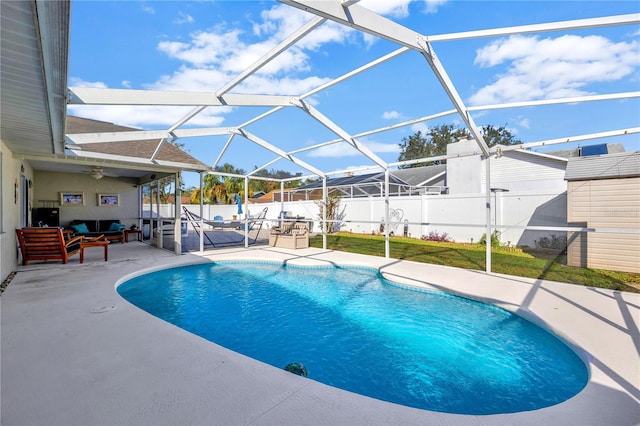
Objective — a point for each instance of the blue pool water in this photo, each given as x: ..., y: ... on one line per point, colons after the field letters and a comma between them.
x: 354, y: 330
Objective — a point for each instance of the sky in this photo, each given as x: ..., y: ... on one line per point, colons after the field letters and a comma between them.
x: 201, y: 45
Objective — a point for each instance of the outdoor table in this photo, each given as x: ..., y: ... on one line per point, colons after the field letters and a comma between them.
x: 94, y: 243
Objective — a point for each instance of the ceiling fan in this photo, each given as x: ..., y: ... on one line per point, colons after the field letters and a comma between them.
x: 97, y: 172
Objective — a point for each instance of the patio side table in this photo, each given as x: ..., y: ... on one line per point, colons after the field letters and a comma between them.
x: 127, y: 232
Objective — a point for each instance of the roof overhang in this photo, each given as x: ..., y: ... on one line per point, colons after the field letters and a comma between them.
x: 33, y: 75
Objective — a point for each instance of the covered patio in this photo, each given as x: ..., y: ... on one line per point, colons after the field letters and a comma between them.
x: 74, y: 352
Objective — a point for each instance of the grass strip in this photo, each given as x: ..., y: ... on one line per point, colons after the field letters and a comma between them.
x: 505, y: 260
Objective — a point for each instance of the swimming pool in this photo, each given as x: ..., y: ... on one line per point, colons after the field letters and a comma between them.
x: 354, y: 330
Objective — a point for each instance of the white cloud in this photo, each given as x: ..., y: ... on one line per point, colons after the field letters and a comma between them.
x: 77, y: 82
x: 230, y: 51
x: 420, y: 127
x: 148, y: 9
x: 183, y: 18
x: 126, y: 84
x: 190, y: 80
x: 283, y: 86
x: 391, y: 115
x: 433, y: 5
x: 394, y: 8
x: 524, y: 122
x: 553, y: 67
x: 399, y: 8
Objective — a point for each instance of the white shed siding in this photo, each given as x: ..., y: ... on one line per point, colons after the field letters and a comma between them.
x: 519, y: 171
x: 607, y: 203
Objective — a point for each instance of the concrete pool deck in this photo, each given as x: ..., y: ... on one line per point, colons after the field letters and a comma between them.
x: 75, y: 353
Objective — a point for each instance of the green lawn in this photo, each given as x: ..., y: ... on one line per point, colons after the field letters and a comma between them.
x: 468, y: 256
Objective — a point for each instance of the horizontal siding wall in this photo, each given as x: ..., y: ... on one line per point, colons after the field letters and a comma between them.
x: 607, y: 203
x: 525, y: 172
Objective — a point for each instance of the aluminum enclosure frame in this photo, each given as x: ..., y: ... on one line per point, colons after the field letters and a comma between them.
x: 351, y: 14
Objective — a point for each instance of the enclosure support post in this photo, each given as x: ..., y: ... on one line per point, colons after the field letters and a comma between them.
x: 177, y: 227
x: 159, y: 223
x: 488, y: 231
x: 324, y: 212
x: 201, y: 233
x: 246, y: 213
x: 281, y: 200
x: 387, y: 251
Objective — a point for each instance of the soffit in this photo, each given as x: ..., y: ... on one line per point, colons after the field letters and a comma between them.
x: 33, y: 75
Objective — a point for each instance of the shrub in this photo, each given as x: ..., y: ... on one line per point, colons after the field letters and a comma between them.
x: 553, y: 242
x: 495, y: 239
x: 435, y: 236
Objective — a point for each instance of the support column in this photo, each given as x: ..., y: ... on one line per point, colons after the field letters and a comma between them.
x: 246, y: 215
x: 177, y: 227
x: 387, y: 250
x: 200, y: 225
x: 488, y: 230
x: 281, y: 200
x: 324, y: 212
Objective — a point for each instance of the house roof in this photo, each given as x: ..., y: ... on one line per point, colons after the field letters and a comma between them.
x: 138, y: 149
x: 609, y: 166
x: 370, y: 178
x: 419, y: 176
x: 611, y: 148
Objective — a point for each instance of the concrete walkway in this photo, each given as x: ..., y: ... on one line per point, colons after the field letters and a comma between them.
x: 75, y: 353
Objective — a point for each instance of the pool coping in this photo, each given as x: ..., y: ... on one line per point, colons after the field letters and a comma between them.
x: 65, y: 363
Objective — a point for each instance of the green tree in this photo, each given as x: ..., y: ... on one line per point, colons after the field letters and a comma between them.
x: 435, y: 142
x: 498, y: 136
x: 269, y: 185
x: 414, y: 147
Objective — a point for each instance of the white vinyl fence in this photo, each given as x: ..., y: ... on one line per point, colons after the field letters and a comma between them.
x: 462, y: 217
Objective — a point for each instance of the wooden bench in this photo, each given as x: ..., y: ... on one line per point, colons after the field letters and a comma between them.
x: 46, y: 244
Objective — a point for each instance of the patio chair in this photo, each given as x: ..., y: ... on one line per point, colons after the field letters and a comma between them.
x: 291, y: 235
x: 46, y: 244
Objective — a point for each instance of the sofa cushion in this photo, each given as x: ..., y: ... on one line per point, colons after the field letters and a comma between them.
x: 90, y: 224
x: 116, y: 227
x: 80, y: 228
x: 104, y: 225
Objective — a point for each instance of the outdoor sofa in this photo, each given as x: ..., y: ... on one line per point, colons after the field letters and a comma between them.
x: 112, y: 229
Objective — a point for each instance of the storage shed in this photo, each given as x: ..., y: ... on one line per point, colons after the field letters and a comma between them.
x: 603, y: 192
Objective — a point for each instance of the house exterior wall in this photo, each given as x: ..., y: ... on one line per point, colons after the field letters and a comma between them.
x: 48, y: 185
x: 463, y: 172
x: 11, y: 170
x: 606, y: 203
x: 514, y: 171
x: 519, y: 171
